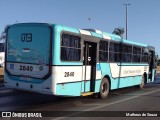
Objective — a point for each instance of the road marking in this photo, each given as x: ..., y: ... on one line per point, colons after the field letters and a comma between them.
x: 97, y: 104
x: 104, y: 105
x: 78, y: 103
x: 2, y: 91
x: 121, y: 100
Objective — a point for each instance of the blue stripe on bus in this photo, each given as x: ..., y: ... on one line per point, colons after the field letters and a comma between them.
x: 97, y: 85
x: 134, y: 43
x: 125, y: 82
x: 105, y: 68
x: 71, y: 89
x: 70, y: 29
x: 56, y: 44
x: 75, y: 88
x: 129, y: 81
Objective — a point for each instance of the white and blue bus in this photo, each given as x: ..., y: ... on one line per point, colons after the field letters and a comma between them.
x: 65, y: 61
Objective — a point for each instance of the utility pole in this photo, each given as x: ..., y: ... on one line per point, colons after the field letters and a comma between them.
x: 126, y: 18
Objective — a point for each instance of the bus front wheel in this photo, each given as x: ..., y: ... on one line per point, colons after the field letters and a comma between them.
x: 104, y: 88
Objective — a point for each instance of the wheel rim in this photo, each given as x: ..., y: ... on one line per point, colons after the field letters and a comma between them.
x: 142, y: 83
x: 104, y: 88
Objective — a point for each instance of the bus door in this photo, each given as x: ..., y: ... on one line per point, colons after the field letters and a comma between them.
x: 89, y: 66
x: 151, y: 65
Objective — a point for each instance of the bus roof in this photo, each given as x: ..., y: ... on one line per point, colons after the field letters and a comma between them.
x: 99, y: 34
x: 89, y: 32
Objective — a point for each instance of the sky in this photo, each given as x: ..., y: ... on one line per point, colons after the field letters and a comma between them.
x: 105, y: 15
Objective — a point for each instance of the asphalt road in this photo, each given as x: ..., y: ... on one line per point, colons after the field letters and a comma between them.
x: 129, y: 100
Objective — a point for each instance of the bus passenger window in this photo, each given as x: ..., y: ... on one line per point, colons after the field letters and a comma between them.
x: 145, y: 55
x: 136, y: 54
x: 1, y: 47
x: 70, y: 48
x: 114, y: 52
x: 103, y: 51
x: 126, y: 53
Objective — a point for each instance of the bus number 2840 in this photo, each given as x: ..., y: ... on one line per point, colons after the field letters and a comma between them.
x: 68, y: 74
x: 26, y: 68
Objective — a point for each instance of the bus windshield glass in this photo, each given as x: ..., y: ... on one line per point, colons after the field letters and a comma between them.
x: 28, y: 44
x: 1, y: 47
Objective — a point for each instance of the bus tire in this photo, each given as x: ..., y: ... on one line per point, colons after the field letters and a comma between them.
x: 141, y: 86
x: 104, y: 88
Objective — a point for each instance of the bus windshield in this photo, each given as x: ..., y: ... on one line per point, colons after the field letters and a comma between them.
x: 1, y: 47
x: 28, y: 44
x: 28, y: 50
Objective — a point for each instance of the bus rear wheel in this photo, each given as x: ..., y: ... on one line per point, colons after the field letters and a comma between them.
x: 104, y: 88
x: 141, y: 86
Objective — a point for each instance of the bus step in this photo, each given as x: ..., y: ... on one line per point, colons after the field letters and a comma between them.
x: 87, y: 93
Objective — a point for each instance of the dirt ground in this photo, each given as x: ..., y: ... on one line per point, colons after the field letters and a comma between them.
x: 158, y: 68
x: 1, y: 71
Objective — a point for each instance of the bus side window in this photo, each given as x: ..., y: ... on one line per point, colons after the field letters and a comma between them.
x: 70, y: 48
x: 103, y: 51
x: 1, y: 47
x: 126, y: 53
x: 136, y: 54
x: 145, y: 55
x: 114, y: 52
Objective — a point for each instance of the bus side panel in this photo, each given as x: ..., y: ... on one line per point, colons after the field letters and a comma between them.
x: 124, y: 76
x: 69, y: 81
x: 85, y: 86
x: 98, y: 77
x: 56, y: 49
x: 128, y: 81
x: 56, y: 44
x: 97, y: 85
x: 153, y: 71
x: 105, y: 69
x: 49, y: 86
x: 127, y: 74
x: 68, y: 89
x: 137, y: 80
x: 125, y: 82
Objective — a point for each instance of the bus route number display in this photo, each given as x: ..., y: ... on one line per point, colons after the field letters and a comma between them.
x: 26, y: 37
